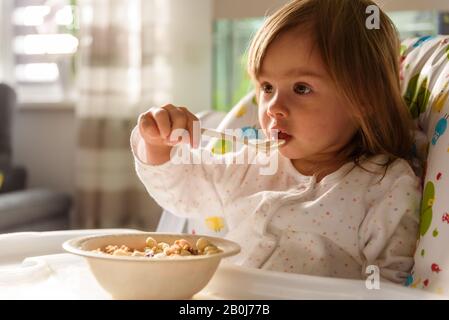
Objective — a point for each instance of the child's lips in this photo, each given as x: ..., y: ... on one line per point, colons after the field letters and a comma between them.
x: 284, y: 136
x: 280, y: 135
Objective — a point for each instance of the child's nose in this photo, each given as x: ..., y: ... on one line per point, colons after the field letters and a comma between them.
x: 277, y: 109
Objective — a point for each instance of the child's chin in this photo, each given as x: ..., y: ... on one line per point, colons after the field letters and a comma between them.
x: 289, y: 152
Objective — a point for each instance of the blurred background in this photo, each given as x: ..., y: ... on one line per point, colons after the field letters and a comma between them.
x: 75, y: 75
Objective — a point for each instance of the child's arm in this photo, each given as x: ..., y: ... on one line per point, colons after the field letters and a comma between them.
x: 193, y: 189
x: 389, y: 232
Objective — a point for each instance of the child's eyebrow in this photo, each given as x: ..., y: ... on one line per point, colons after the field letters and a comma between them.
x: 304, y: 72
x: 296, y: 72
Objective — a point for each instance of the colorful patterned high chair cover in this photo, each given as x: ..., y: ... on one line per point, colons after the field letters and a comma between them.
x: 425, y: 85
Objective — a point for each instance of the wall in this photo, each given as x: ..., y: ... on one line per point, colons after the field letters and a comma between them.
x: 44, y: 142
x: 190, y: 36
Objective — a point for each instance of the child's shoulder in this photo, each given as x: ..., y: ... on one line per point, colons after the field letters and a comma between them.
x: 384, y: 173
x: 381, y: 164
x: 395, y: 180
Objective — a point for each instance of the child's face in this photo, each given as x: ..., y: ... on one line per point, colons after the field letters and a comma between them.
x: 297, y: 96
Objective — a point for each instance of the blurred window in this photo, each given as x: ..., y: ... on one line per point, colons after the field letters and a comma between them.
x: 44, y: 47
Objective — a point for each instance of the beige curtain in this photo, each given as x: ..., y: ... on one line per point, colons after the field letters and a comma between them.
x: 115, y: 68
x: 133, y: 54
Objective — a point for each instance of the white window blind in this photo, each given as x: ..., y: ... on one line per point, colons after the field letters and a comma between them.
x: 44, y: 46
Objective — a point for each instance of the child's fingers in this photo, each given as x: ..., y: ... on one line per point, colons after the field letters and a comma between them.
x: 159, y: 124
x: 178, y: 120
x: 147, y: 126
x: 162, y: 118
x: 191, y: 121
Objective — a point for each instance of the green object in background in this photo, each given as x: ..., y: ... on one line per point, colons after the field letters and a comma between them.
x: 2, y: 178
x: 417, y: 98
x: 230, y: 79
x: 426, y: 208
x: 403, y: 49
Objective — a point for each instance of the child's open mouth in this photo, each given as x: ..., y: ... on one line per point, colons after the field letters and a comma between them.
x: 284, y: 136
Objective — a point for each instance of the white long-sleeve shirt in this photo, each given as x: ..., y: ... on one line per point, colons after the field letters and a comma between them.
x: 289, y: 222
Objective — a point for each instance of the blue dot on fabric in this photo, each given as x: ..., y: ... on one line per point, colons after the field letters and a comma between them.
x: 409, y: 280
x: 249, y: 132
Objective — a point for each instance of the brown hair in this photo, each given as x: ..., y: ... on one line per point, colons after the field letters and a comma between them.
x: 363, y: 63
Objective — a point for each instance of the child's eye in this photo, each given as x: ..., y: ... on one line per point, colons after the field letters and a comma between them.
x: 267, y: 88
x: 301, y: 89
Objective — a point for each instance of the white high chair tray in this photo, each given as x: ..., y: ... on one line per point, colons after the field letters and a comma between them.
x: 33, y: 266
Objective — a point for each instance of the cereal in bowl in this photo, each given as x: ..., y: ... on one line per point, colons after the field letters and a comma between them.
x: 153, y: 249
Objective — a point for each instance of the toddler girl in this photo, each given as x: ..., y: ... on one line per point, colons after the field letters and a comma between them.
x: 344, y: 196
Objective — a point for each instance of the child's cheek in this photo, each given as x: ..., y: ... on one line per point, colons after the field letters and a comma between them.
x: 309, y: 132
x: 263, y: 119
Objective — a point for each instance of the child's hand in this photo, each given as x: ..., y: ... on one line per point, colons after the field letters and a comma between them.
x: 157, y: 124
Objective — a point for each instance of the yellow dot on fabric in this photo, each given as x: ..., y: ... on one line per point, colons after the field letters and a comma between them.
x: 440, y: 100
x: 2, y: 178
x: 222, y: 147
x: 241, y: 111
x: 215, y: 223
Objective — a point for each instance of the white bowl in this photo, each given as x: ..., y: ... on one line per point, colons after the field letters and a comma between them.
x: 126, y: 277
